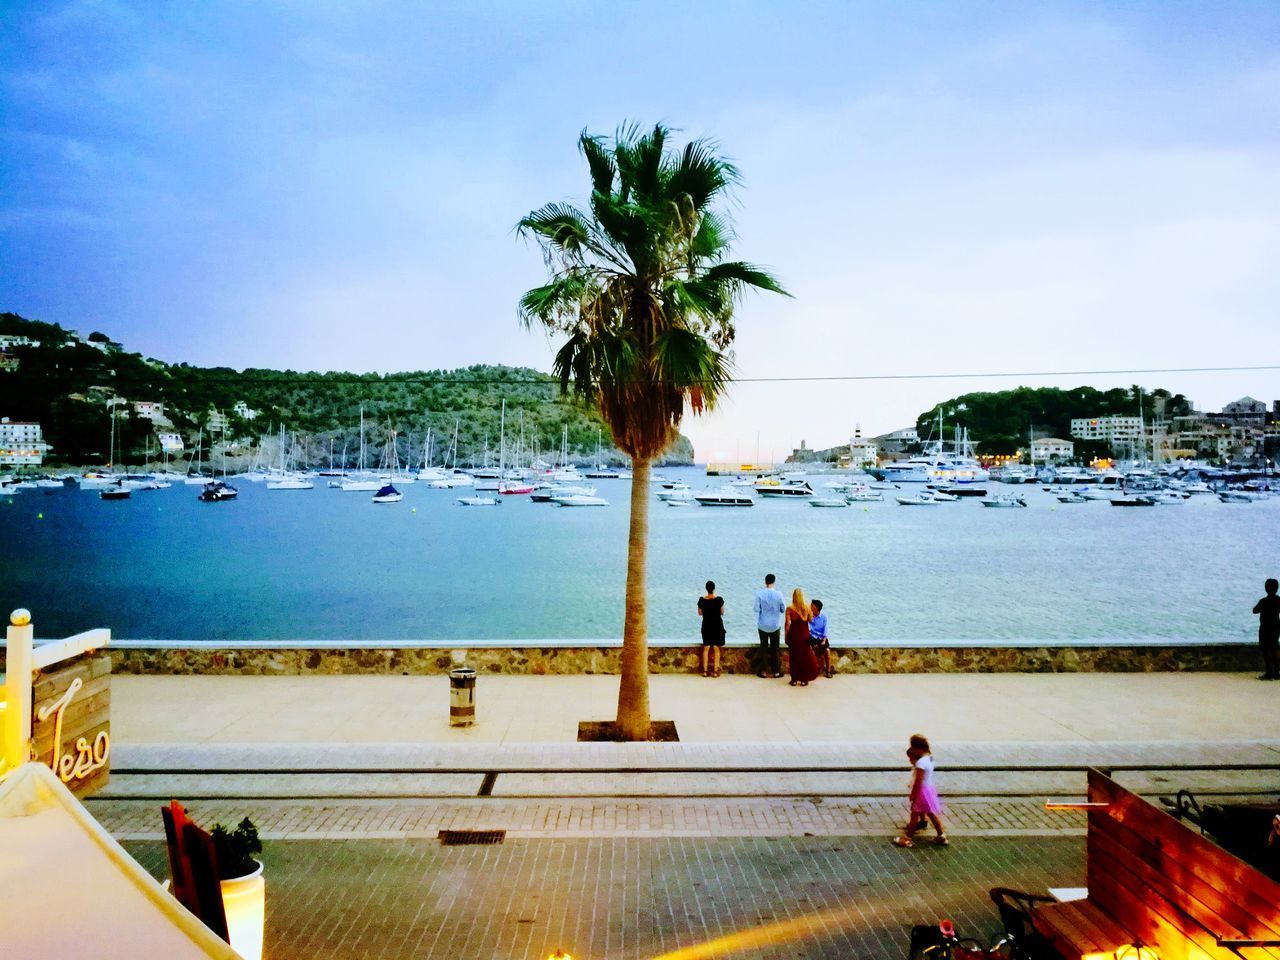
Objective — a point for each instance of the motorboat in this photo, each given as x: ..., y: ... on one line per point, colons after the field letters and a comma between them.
x: 578, y: 500
x: 918, y: 500
x: 51, y: 484
x: 1071, y: 498
x: 828, y: 502
x: 742, y: 482
x: 117, y: 491
x: 479, y: 501
x: 1240, y: 496
x: 724, y: 497
x: 679, y: 498
x: 514, y: 487
x: 547, y: 492
x: 1004, y: 500
x: 785, y: 488
x: 673, y: 485
x: 1198, y: 486
x: 1093, y: 493
x: 864, y: 496
x: 681, y: 490
x: 1129, y: 500
x: 388, y: 494
x: 883, y: 485
x: 943, y: 496
x: 964, y: 490
x: 360, y: 484
x: 195, y: 480
x: 1015, y: 473
x: 1168, y: 497
x: 217, y: 491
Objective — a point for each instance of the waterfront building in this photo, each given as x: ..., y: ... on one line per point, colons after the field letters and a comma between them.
x: 898, y: 441
x: 1113, y: 430
x: 863, y: 452
x: 1051, y: 448
x: 1244, y: 410
x: 21, y: 443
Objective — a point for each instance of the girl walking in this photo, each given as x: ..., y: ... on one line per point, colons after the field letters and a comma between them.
x: 711, y: 610
x: 925, y: 805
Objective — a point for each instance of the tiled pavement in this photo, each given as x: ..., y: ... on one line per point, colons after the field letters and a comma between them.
x: 587, y: 817
x: 632, y: 898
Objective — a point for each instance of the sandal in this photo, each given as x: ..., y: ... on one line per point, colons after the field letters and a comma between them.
x: 903, y: 842
x: 941, y: 840
x: 791, y: 683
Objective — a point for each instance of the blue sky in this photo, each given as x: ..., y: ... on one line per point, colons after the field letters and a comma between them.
x: 944, y: 186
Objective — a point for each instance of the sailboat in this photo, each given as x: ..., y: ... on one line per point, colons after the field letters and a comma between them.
x: 567, y: 473
x: 286, y: 478
x: 600, y: 471
x: 361, y: 481
x: 194, y: 477
x: 428, y: 472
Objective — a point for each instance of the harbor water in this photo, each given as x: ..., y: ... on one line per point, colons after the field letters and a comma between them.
x: 332, y: 567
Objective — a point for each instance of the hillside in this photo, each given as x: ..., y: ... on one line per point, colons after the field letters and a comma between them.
x: 1000, y: 421
x: 65, y: 382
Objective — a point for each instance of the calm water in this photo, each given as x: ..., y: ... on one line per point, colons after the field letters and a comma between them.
x: 326, y: 565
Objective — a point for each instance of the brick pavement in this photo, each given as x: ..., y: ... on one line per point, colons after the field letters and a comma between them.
x: 632, y: 898
x: 589, y: 817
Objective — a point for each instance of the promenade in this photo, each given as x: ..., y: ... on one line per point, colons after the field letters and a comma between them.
x: 767, y: 824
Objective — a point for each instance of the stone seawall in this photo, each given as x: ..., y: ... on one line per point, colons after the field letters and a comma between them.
x: 665, y: 659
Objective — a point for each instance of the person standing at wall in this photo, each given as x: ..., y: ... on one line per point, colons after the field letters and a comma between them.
x: 769, y: 606
x: 1268, y: 611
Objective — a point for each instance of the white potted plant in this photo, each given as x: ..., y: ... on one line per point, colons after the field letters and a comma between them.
x: 244, y: 889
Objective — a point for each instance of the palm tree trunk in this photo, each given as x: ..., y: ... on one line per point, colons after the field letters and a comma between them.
x: 633, y: 690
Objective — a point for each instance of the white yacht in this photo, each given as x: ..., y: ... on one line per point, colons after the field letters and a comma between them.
x: 724, y: 497
x: 578, y: 500
x: 777, y: 487
x: 1004, y: 500
x: 828, y: 502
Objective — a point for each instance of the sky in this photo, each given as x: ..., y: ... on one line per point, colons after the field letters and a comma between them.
x: 946, y: 188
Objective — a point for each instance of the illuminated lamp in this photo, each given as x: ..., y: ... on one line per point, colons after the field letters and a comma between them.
x: 560, y: 955
x: 244, y: 900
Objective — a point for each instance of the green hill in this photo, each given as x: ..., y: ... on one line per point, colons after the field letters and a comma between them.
x: 65, y: 384
x: 1000, y: 421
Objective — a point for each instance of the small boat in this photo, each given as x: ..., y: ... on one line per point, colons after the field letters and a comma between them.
x: 918, y: 500
x: 217, y: 491
x: 1004, y: 500
x: 676, y: 498
x: 578, y: 500
x: 51, y: 484
x: 479, y: 501
x: 1240, y: 496
x: 864, y: 496
x: 724, y: 497
x: 883, y: 485
x: 828, y: 502
x: 964, y: 490
x: 1095, y: 494
x: 1132, y: 501
x: 514, y: 487
x: 943, y: 496
x: 388, y: 494
x: 1071, y: 498
x: 116, y: 492
x: 355, y: 484
x: 673, y: 485
x: 1168, y: 498
x: 674, y: 493
x: 687, y: 502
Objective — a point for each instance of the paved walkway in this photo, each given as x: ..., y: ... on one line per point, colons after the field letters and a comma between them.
x: 633, y: 898
x: 1052, y: 708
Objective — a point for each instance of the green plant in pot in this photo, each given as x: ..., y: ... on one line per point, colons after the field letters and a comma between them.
x: 237, y: 849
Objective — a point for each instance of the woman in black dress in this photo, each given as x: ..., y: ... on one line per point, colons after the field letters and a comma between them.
x: 711, y: 610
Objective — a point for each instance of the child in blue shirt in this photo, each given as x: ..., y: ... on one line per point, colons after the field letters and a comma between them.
x: 818, y: 639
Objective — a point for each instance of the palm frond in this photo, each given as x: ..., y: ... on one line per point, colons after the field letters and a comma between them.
x: 701, y: 174
x: 562, y: 225
x: 599, y: 162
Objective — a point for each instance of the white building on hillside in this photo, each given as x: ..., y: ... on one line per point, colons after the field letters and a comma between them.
x: 10, y: 340
x: 1113, y: 430
x: 21, y: 443
x: 863, y: 451
x: 1051, y: 448
x: 170, y: 442
x: 244, y: 411
x: 149, y: 410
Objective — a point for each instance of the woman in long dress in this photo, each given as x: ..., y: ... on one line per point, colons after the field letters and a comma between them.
x: 801, y: 660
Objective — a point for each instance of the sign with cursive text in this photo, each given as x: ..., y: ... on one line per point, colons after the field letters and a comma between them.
x: 70, y: 728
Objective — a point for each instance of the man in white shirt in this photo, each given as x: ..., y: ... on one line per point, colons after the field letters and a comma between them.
x: 770, y: 606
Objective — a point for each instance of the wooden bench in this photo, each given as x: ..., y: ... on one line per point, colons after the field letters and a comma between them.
x: 1154, y: 881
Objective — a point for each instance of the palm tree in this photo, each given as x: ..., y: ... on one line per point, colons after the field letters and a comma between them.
x: 640, y: 288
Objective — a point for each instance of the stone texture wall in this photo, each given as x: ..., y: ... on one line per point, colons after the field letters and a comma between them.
x: 575, y: 660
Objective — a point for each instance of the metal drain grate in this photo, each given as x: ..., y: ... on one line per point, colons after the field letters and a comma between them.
x: 456, y: 838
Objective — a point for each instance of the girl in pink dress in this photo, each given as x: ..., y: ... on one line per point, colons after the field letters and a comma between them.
x: 925, y: 805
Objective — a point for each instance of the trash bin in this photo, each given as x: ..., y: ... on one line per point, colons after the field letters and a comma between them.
x: 462, y: 697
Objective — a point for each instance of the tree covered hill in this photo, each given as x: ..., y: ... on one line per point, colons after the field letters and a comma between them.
x: 66, y: 381
x: 1001, y: 421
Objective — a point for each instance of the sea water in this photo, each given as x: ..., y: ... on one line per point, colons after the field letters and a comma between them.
x: 327, y: 566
